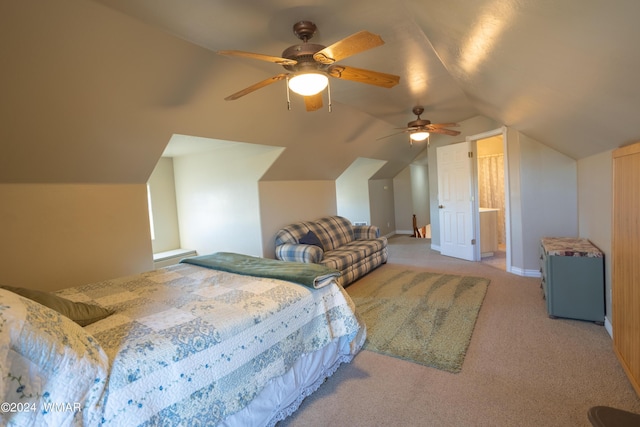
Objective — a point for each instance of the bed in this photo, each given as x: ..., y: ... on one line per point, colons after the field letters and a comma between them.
x: 191, y: 344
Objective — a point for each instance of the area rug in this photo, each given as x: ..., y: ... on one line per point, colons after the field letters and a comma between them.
x: 420, y: 316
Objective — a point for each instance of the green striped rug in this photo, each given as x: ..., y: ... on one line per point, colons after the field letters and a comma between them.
x: 420, y: 316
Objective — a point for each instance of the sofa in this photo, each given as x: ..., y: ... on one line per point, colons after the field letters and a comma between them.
x: 333, y: 241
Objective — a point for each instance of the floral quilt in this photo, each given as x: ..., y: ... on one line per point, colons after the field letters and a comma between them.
x: 52, y: 373
x: 186, y: 345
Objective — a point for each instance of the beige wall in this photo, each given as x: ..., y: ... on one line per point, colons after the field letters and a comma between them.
x: 352, y: 190
x: 420, y: 195
x: 381, y: 205
x: 59, y: 235
x: 285, y: 202
x: 548, y: 196
x: 403, y: 202
x: 595, y: 209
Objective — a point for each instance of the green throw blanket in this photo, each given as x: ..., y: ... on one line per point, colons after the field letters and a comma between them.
x: 311, y: 275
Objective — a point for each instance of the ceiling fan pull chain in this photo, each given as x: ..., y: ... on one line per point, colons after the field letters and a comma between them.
x: 288, y: 96
x: 329, y: 95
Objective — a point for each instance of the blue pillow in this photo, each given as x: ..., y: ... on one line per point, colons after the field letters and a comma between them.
x: 311, y: 239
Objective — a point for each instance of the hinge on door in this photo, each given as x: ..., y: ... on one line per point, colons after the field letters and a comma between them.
x: 473, y: 241
x: 470, y: 154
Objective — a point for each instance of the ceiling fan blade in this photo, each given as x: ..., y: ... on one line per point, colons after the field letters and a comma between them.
x: 364, y: 76
x: 256, y: 86
x: 259, y: 56
x: 443, y: 125
x: 313, y: 102
x: 355, y: 43
x: 445, y: 131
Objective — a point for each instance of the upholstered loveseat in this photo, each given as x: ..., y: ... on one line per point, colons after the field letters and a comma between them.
x: 333, y: 241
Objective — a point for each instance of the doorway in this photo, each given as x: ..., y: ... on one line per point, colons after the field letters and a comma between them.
x: 492, y: 203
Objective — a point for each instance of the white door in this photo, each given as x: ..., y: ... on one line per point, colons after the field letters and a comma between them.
x: 455, y: 202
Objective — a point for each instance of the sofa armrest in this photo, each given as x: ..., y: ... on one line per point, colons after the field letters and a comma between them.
x: 299, y: 252
x: 365, y: 232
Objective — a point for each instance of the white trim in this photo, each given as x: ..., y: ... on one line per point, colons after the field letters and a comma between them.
x: 488, y: 134
x: 161, y: 256
x: 163, y: 259
x: 525, y: 273
x: 608, y: 327
x: 507, y: 193
x: 435, y: 247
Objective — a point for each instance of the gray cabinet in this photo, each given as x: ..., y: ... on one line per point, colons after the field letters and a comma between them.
x: 572, y: 278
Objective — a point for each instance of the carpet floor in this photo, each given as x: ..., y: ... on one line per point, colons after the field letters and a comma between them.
x: 420, y: 316
x: 521, y: 368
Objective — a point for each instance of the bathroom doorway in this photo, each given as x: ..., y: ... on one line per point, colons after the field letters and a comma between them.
x: 491, y: 201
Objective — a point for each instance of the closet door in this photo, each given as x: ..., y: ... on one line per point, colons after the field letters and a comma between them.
x: 625, y: 271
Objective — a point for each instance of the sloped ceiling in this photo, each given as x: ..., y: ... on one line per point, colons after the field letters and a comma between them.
x: 92, y: 90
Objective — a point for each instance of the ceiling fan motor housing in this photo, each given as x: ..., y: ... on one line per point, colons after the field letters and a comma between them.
x: 418, y: 123
x: 303, y: 54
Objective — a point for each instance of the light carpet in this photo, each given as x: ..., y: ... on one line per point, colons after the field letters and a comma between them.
x: 420, y: 316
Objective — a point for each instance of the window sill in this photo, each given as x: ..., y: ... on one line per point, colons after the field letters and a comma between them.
x: 163, y: 259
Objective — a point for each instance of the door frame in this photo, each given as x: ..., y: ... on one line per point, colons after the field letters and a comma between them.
x: 473, y: 139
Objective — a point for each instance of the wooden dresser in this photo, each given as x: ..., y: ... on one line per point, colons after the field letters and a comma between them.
x: 625, y: 260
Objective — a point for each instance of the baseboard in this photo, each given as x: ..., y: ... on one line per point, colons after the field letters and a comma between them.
x: 524, y: 272
x: 409, y: 232
x: 608, y: 326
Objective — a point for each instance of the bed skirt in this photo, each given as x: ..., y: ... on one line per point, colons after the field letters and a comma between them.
x: 283, y: 395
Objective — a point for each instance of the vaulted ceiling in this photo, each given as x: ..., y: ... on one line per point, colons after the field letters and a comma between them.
x: 94, y: 89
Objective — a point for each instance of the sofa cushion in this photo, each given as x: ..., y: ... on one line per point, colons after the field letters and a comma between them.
x: 341, y: 258
x: 333, y: 231
x: 292, y: 233
x: 294, y: 252
x: 367, y: 247
x: 353, y: 253
x: 365, y: 232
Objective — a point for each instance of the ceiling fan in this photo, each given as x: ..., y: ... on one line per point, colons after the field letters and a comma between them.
x: 311, y: 65
x: 420, y: 129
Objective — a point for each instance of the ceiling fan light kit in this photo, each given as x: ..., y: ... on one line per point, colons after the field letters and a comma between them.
x: 311, y: 65
x: 309, y: 83
x: 419, y: 136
